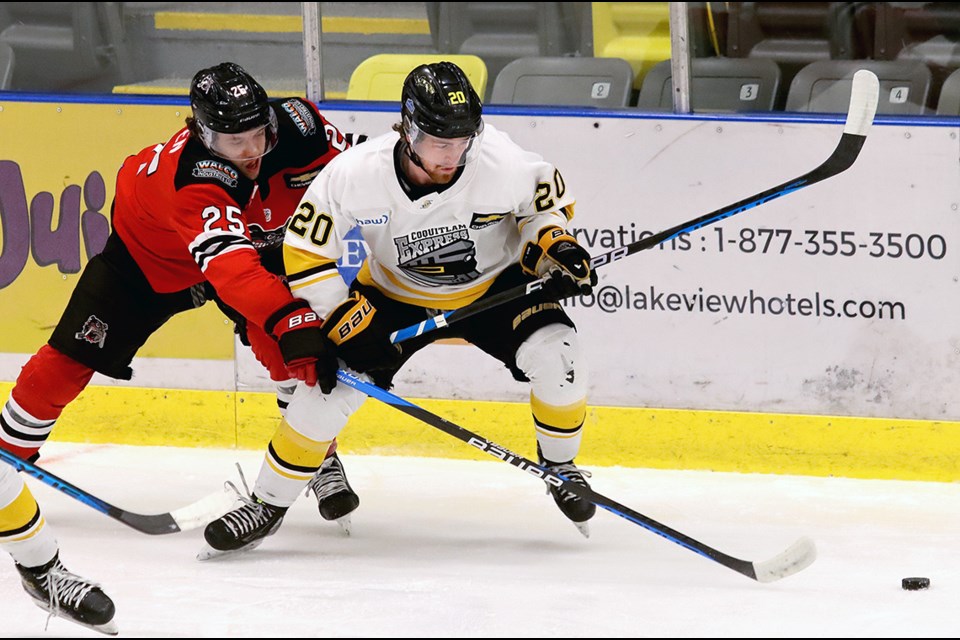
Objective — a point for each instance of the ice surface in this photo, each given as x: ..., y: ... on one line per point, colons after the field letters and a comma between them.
x: 444, y: 548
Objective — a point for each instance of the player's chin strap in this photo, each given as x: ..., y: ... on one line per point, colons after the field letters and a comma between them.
x: 863, y: 106
x: 795, y: 558
x: 407, y: 150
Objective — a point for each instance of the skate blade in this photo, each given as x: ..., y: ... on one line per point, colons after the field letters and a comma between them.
x: 209, y: 553
x: 583, y: 528
x: 346, y: 524
x: 109, y: 628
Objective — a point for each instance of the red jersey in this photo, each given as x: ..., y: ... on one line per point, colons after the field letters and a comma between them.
x: 187, y: 215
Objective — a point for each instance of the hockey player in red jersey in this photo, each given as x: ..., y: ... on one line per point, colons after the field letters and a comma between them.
x: 201, y: 216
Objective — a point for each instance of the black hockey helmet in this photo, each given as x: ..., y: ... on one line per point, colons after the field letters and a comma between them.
x: 440, y: 101
x: 226, y: 99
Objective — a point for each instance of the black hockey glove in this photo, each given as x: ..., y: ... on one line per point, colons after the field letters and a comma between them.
x: 557, y: 256
x: 239, y: 322
x: 306, y: 351
x: 362, y: 339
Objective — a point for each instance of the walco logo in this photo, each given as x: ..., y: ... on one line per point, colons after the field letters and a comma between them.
x: 215, y: 170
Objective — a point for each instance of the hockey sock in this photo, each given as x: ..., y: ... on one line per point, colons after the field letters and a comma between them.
x: 23, y: 533
x: 291, y: 460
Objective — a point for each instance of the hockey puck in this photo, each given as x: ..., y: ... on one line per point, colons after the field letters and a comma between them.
x: 915, y: 584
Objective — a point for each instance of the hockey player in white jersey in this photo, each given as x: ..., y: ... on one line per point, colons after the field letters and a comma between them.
x: 452, y: 210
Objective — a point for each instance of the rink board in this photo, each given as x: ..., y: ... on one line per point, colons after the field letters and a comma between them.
x: 813, y: 334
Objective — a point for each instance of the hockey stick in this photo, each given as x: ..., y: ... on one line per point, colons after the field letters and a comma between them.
x: 189, y: 517
x: 797, y: 557
x: 863, y: 106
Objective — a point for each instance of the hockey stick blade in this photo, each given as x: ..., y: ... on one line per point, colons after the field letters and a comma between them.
x: 800, y: 555
x: 865, y: 90
x: 189, y: 517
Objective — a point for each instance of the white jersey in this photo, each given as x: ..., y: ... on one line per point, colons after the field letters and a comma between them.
x: 441, y: 251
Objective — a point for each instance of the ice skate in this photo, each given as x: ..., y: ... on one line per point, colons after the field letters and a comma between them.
x: 336, y: 499
x: 66, y: 595
x: 578, y: 510
x: 244, y: 528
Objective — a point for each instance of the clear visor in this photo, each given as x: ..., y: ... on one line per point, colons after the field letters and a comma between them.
x: 444, y: 152
x: 244, y: 146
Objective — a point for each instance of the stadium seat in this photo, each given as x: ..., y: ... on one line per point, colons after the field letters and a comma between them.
x: 949, y: 103
x: 824, y: 86
x: 6, y: 66
x: 598, y: 82
x: 63, y: 44
x: 794, y: 34
x: 380, y: 77
x: 638, y: 32
x: 717, y: 84
x: 500, y: 32
x: 927, y: 32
